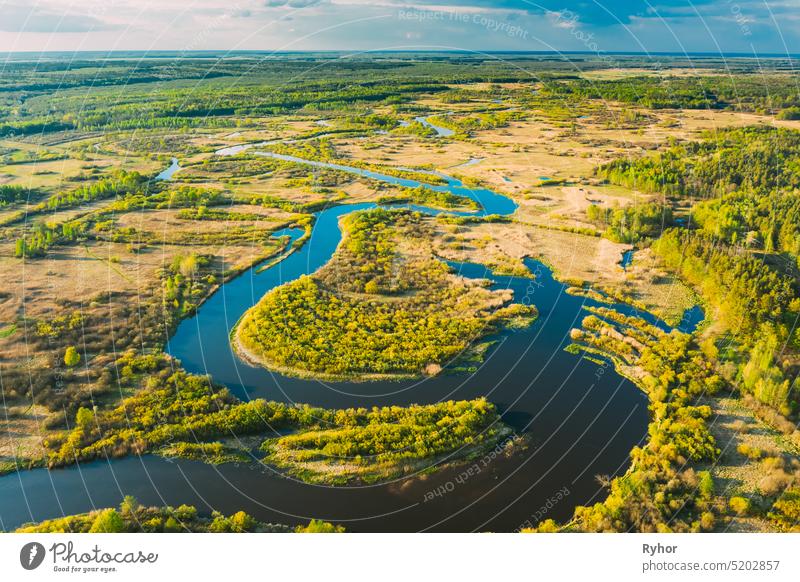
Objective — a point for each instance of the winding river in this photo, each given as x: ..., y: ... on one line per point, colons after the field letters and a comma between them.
x: 581, y: 418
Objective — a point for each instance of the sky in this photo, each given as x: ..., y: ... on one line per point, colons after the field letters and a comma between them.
x: 601, y: 26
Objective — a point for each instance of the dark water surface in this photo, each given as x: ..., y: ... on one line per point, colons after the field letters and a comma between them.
x: 627, y: 259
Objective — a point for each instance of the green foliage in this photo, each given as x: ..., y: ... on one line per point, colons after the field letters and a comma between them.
x: 740, y: 505
x: 44, y: 236
x: 215, y: 453
x: 11, y: 194
x: 546, y: 526
x: 84, y: 419
x: 129, y: 507
x: 350, y: 89
x: 12, y: 157
x: 192, y: 197
x: 790, y: 113
x: 631, y: 223
x: 428, y: 197
x: 119, y: 183
x: 314, y: 326
x: 107, y: 521
x: 745, y: 291
x: 272, y: 89
x: 371, y: 253
x: 319, y: 526
x: 755, y: 171
x: 301, y: 327
x: 467, y: 124
x: 758, y: 159
x: 185, y: 283
x: 133, y: 517
x: 785, y: 512
x: 416, y: 316
x: 659, y: 492
x: 738, y: 92
x: 239, y: 522
x: 753, y: 174
x: 71, y: 357
x: 757, y: 304
x: 60, y: 325
x: 374, y: 444
x: 770, y: 222
x: 761, y: 375
x: 706, y: 485
x: 415, y: 128
x: 183, y: 412
x: 172, y: 408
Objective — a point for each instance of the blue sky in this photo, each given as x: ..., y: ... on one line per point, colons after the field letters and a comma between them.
x: 565, y: 25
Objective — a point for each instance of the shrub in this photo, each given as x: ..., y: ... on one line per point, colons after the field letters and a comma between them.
x: 706, y: 485
x: 107, y: 521
x: 785, y: 513
x: 739, y: 505
x: 71, y: 357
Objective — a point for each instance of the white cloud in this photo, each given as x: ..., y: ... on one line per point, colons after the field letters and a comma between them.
x: 41, y: 17
x: 365, y: 24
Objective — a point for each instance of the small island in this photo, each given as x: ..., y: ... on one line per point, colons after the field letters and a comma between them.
x: 380, y: 444
x: 384, y: 307
x: 202, y: 422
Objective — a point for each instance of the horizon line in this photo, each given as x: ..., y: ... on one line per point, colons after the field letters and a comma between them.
x: 231, y: 52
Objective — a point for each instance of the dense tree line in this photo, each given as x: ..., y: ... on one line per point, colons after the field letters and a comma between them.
x: 428, y: 197
x: 11, y: 194
x: 749, y: 177
x: 467, y: 124
x: 43, y: 236
x: 660, y: 491
x: 288, y: 85
x: 756, y: 303
x: 632, y: 223
x: 765, y: 94
x: 746, y: 292
x: 755, y: 160
x: 175, y: 107
x: 770, y: 222
x: 118, y: 184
